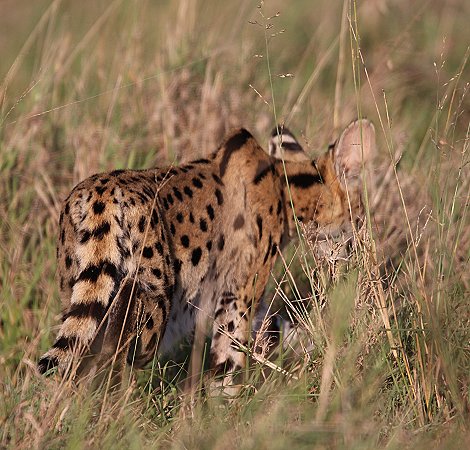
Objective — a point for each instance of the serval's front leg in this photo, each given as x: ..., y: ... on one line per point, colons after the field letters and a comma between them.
x: 230, y: 336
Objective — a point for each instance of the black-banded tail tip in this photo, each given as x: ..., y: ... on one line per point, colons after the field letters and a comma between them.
x: 47, y: 363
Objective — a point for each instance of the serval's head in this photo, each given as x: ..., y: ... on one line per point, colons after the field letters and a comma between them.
x: 327, y: 193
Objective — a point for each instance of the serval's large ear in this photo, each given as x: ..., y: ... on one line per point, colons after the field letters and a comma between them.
x: 283, y: 144
x: 354, y: 148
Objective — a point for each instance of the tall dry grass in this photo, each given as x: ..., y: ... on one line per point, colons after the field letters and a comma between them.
x: 382, y: 355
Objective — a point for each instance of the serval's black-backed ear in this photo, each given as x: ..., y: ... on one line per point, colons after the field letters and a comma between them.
x: 283, y: 144
x: 354, y: 148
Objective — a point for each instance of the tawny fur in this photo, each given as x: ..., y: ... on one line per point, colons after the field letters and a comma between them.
x: 144, y: 255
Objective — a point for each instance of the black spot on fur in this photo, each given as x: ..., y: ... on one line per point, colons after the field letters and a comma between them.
x: 172, y: 228
x: 157, y: 272
x: 62, y: 236
x: 187, y: 190
x: 197, y: 183
x: 67, y: 208
x: 169, y: 197
x: 165, y: 204
x: 154, y: 219
x: 180, y: 217
x: 185, y: 241
x: 116, y: 172
x: 178, y: 194
x: 177, y: 265
x: 159, y: 248
x: 219, y: 196
x: 141, y: 224
x: 231, y: 327
x: 210, y: 212
x: 68, y: 261
x: 221, y: 242
x: 191, y: 217
x: 217, y: 179
x: 147, y: 252
x: 100, y: 190
x: 101, y: 231
x: 274, y: 249
x: 201, y: 161
x: 279, y: 207
x: 238, y: 222
x: 110, y: 269
x: 259, y: 222
x: 83, y: 239
x: 209, y: 245
x: 196, y: 256
x: 148, y: 192
x: 203, y: 225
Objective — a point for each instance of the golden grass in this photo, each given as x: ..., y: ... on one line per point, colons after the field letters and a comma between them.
x: 383, y: 351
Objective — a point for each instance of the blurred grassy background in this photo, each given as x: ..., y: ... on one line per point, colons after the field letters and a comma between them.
x: 97, y: 85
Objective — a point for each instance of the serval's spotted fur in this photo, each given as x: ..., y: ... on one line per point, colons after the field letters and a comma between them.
x: 145, y: 255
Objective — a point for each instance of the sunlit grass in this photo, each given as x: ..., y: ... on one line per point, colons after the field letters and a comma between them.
x: 383, y: 357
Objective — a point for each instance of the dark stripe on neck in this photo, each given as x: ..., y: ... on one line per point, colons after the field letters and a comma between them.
x: 304, y: 180
x: 233, y: 144
x: 260, y: 175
